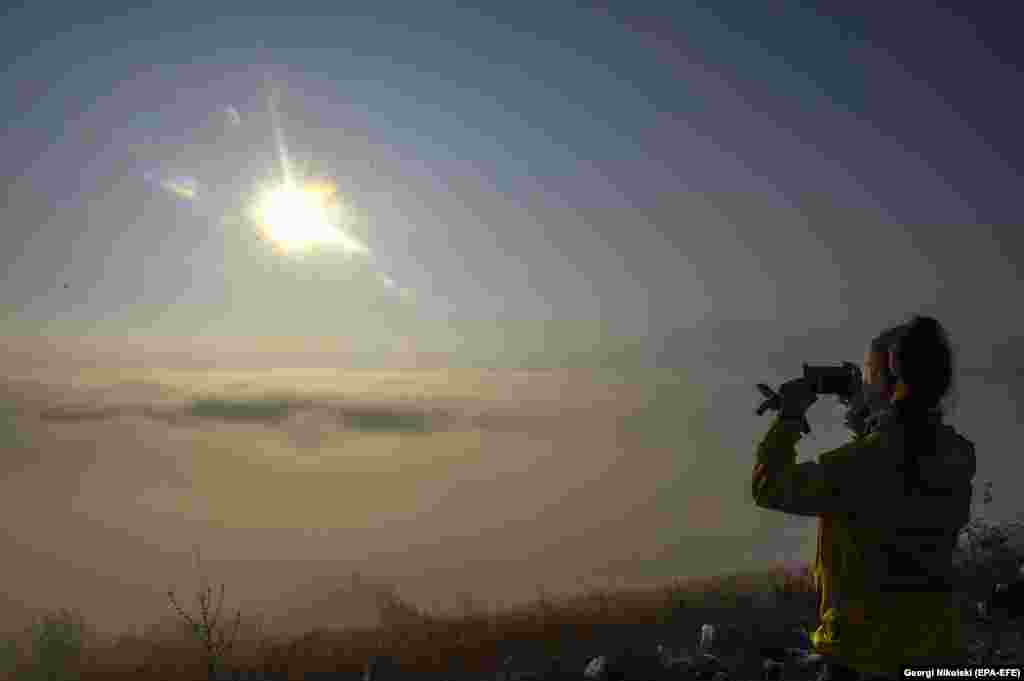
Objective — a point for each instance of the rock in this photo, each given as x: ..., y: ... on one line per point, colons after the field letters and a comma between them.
x: 707, y: 638
x: 661, y: 664
x: 781, y: 661
x: 595, y: 669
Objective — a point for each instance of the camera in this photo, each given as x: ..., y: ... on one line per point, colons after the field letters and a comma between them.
x: 843, y: 381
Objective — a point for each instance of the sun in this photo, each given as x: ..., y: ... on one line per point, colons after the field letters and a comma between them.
x: 303, y: 217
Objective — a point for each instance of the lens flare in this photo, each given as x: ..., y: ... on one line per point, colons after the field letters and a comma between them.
x: 181, y: 186
x: 298, y: 215
x: 304, y: 217
x: 296, y: 211
x: 184, y: 187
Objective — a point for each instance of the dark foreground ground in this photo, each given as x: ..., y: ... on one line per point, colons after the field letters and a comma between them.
x: 755, y: 616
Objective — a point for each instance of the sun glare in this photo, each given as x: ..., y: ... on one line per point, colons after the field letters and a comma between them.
x: 303, y: 217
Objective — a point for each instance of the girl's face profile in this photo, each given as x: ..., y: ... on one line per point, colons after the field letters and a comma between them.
x: 871, y: 372
x: 873, y: 376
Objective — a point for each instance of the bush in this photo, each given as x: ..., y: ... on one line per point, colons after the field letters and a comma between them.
x: 57, y: 641
x: 8, y: 657
x: 985, y: 555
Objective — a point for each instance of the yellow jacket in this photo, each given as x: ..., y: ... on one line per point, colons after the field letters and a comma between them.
x: 884, y: 564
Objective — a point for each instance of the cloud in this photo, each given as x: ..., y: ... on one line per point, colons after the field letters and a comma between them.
x: 86, y: 413
x: 316, y: 414
x: 387, y: 419
x: 287, y: 471
x: 380, y: 418
x: 297, y: 414
x: 241, y: 410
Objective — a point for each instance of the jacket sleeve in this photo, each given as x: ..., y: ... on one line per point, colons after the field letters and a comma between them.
x: 808, y: 489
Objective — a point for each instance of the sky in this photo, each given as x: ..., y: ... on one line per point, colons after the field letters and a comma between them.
x: 722, y: 190
x: 513, y: 168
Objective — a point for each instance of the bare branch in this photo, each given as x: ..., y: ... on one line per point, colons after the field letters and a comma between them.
x: 208, y: 628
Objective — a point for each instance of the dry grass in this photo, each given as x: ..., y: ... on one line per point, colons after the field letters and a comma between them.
x: 746, y: 608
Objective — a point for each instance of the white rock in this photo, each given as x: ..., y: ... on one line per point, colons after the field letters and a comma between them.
x: 707, y: 638
x: 595, y: 668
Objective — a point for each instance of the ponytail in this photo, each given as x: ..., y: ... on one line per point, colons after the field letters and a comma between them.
x: 922, y: 357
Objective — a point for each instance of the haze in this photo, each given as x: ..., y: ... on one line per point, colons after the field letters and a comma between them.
x: 612, y: 226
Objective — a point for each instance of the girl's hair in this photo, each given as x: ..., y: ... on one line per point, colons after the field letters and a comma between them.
x: 923, y: 359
